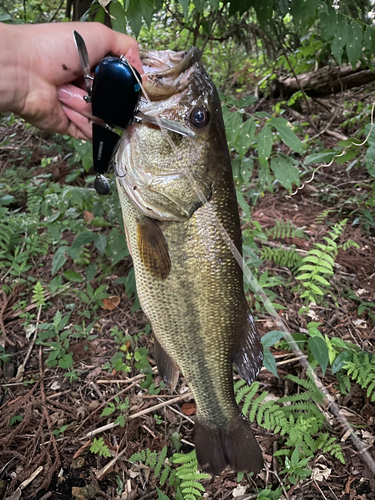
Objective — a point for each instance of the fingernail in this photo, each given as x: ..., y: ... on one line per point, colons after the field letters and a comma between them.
x: 63, y: 93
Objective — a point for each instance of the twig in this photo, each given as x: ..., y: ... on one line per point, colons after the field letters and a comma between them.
x: 21, y: 369
x: 104, y: 428
x: 179, y: 413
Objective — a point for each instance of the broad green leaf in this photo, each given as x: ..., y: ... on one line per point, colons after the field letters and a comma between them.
x: 147, y: 9
x: 59, y: 260
x: 340, y: 361
x: 214, y: 4
x: 264, y: 9
x: 83, y: 239
x: 185, y: 7
x: 101, y: 242
x: 328, y: 23
x: 269, y: 362
x: 370, y: 160
x: 73, y: 276
x: 319, y: 350
x: 116, y: 248
x: 271, y: 338
x: 243, y: 204
x: 369, y: 39
x: 134, y: 17
x: 339, y: 40
x: 245, y: 137
x: 233, y: 122
x: 285, y: 171
x: 264, y: 144
x: 286, y: 134
x: 354, y: 42
x: 116, y: 9
x: 66, y: 361
x: 323, y: 157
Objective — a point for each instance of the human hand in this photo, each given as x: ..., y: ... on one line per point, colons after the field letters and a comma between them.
x: 40, y: 68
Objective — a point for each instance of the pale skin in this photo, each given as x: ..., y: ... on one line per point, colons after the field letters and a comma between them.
x: 41, y: 75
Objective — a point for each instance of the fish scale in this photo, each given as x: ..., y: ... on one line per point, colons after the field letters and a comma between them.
x: 188, y: 282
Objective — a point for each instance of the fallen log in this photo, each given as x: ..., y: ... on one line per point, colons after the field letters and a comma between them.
x: 324, y: 81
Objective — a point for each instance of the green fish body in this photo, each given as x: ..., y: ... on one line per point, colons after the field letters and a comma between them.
x: 188, y: 282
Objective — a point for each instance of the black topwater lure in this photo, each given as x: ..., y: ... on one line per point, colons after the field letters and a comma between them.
x: 114, y: 93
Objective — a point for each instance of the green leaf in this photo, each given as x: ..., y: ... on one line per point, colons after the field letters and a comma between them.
x: 83, y: 239
x: 285, y: 171
x: 147, y: 9
x: 286, y: 134
x: 59, y: 260
x: 134, y: 17
x: 214, y: 4
x: 321, y: 280
x: 264, y: 144
x: 66, y: 361
x: 264, y: 9
x: 101, y: 242
x: 370, y: 160
x: 245, y: 137
x: 319, y: 350
x: 185, y: 7
x: 116, y: 248
x: 161, y: 495
x: 269, y: 362
x: 116, y: 9
x: 339, y: 41
x: 271, y: 338
x: 354, y: 42
x: 323, y: 157
x: 340, y: 361
x: 73, y: 276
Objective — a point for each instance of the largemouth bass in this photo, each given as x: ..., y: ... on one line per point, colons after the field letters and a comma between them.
x: 189, y: 284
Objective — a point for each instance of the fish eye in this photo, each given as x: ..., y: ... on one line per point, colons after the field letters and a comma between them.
x: 199, y: 117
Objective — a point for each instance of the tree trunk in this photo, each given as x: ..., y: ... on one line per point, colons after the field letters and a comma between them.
x: 79, y: 8
x: 325, y: 81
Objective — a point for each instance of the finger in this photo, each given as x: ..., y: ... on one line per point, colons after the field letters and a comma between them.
x: 79, y: 126
x: 72, y: 96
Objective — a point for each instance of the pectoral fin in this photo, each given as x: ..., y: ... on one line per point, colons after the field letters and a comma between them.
x: 153, y: 249
x: 249, y: 355
x: 167, y: 368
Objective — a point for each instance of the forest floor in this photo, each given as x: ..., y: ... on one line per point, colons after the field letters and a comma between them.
x: 61, y: 466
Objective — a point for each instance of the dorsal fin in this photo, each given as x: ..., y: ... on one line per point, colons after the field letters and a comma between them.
x: 153, y: 249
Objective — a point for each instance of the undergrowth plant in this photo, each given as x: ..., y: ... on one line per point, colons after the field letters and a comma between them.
x: 318, y: 265
x: 185, y: 479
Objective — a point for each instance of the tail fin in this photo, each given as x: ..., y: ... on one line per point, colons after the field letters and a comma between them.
x: 234, y: 445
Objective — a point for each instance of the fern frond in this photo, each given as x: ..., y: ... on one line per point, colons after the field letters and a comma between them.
x: 283, y: 230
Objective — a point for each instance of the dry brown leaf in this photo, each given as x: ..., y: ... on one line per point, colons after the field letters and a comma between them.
x: 111, y: 302
x: 189, y: 408
x: 88, y: 217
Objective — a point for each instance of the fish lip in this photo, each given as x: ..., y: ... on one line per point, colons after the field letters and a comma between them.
x: 178, y: 62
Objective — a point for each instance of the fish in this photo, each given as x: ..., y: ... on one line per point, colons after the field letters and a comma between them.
x: 173, y: 188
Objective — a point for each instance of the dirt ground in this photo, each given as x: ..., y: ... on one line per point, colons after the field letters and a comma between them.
x: 62, y: 467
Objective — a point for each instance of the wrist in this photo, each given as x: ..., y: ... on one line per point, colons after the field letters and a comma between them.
x: 13, y: 75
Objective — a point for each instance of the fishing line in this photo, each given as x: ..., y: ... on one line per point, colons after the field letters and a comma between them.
x: 259, y: 292
x: 289, y: 196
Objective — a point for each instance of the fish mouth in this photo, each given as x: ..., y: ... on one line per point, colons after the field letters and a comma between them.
x: 168, y: 73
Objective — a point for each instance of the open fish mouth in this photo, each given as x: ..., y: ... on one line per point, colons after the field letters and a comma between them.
x: 168, y: 72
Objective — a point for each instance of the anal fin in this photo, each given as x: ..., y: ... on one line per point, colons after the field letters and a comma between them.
x: 249, y: 354
x: 153, y: 249
x: 167, y: 368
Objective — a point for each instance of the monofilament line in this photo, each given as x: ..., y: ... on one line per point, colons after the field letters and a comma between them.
x: 259, y: 292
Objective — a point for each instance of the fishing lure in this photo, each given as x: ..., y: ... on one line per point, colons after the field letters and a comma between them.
x: 115, y: 95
